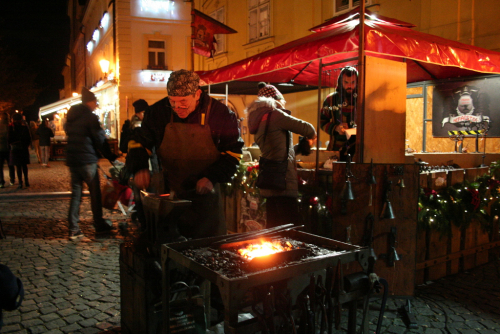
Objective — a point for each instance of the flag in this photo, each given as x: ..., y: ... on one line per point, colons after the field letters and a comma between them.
x: 204, y: 28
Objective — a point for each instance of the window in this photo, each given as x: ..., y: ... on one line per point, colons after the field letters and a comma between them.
x: 220, y: 38
x: 258, y: 19
x: 345, y: 5
x: 156, y: 55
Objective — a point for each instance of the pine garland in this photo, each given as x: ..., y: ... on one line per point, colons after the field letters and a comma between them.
x: 460, y: 204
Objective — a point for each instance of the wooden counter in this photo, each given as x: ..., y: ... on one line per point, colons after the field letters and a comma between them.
x: 464, y: 160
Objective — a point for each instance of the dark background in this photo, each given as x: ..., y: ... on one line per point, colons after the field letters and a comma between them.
x: 34, y: 43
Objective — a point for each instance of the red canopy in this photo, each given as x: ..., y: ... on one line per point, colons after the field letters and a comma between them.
x: 428, y: 57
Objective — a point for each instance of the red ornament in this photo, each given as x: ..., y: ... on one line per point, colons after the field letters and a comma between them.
x: 313, y: 201
x: 475, y: 201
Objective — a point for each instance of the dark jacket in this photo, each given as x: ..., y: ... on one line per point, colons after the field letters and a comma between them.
x: 20, y: 141
x: 4, y: 136
x: 44, y: 134
x: 274, y: 145
x: 86, y: 138
x: 335, y: 111
x: 223, y: 124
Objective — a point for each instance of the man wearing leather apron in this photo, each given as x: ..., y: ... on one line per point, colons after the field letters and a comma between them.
x: 199, y: 145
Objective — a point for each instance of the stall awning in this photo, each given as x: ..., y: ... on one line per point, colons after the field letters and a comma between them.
x: 59, y: 105
x: 70, y: 101
x: 428, y: 57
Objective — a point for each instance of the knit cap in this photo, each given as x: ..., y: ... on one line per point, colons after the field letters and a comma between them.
x: 270, y: 91
x: 182, y: 83
x: 140, y: 105
x: 87, y: 95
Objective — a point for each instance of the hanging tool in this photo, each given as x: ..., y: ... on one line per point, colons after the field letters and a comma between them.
x: 371, y: 182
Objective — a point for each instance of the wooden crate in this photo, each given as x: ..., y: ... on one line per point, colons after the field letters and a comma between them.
x: 140, y: 289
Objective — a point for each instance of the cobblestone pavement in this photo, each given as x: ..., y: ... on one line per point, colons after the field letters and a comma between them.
x: 74, y: 286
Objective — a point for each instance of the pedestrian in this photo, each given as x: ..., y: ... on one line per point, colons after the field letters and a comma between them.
x: 35, y: 143
x: 140, y: 107
x: 198, y: 142
x: 44, y: 133
x: 272, y: 126
x: 339, y: 113
x: 20, y: 141
x: 86, y: 141
x: 5, y: 150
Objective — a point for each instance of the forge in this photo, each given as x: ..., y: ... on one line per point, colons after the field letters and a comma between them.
x: 260, y: 271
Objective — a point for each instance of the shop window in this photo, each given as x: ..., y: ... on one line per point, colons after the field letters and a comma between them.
x: 156, y: 55
x: 259, y: 19
x: 220, y: 38
x: 341, y: 6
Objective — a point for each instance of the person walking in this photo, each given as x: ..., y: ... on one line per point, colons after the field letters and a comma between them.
x: 20, y: 141
x: 35, y: 142
x: 86, y: 141
x: 272, y: 126
x: 44, y: 134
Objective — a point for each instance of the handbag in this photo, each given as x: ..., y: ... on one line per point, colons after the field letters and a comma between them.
x: 187, y: 315
x: 272, y: 173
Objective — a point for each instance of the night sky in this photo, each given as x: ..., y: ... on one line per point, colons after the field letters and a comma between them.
x: 38, y: 32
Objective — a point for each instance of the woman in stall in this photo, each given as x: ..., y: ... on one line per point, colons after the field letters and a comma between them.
x: 272, y: 126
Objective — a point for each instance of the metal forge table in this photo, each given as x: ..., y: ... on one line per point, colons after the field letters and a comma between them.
x: 233, y: 290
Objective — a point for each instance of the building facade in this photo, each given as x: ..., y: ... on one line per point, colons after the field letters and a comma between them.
x: 143, y: 40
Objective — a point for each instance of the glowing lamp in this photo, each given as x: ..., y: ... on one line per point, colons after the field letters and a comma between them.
x: 104, y: 66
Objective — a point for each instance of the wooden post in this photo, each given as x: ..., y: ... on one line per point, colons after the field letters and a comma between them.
x: 360, y: 117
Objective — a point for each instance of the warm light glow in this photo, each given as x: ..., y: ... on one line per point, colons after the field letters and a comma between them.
x: 104, y: 65
x: 75, y: 94
x: 264, y: 248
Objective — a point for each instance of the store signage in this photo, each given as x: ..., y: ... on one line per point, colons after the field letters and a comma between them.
x: 149, y: 76
x: 156, y: 5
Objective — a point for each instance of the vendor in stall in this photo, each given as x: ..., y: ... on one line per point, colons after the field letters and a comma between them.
x: 339, y: 113
x: 199, y: 145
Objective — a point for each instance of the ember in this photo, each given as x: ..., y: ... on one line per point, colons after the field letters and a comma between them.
x: 264, y: 248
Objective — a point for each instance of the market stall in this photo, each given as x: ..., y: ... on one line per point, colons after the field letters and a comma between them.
x: 106, y: 111
x: 395, y: 60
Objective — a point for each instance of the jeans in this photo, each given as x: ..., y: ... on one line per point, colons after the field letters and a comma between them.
x: 45, y: 153
x: 85, y: 173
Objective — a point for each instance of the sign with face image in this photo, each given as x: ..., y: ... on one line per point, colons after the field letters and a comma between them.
x: 466, y: 106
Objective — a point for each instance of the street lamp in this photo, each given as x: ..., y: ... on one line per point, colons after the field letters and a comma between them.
x: 104, y: 67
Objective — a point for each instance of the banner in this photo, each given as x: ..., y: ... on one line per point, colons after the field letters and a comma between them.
x: 204, y: 28
x: 466, y: 106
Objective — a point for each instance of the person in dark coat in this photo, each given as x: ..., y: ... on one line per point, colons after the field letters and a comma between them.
x: 198, y: 142
x: 20, y: 141
x: 86, y: 142
x: 44, y: 133
x: 5, y: 149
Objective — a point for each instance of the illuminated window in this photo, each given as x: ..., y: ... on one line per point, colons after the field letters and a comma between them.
x: 259, y: 19
x: 156, y: 55
x: 220, y: 38
x: 341, y: 6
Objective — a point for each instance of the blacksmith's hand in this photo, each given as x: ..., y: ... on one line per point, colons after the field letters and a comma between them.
x: 204, y: 186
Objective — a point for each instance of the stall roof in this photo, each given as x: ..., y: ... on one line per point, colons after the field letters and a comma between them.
x: 428, y: 57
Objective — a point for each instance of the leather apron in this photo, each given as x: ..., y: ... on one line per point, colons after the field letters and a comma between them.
x: 186, y: 150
